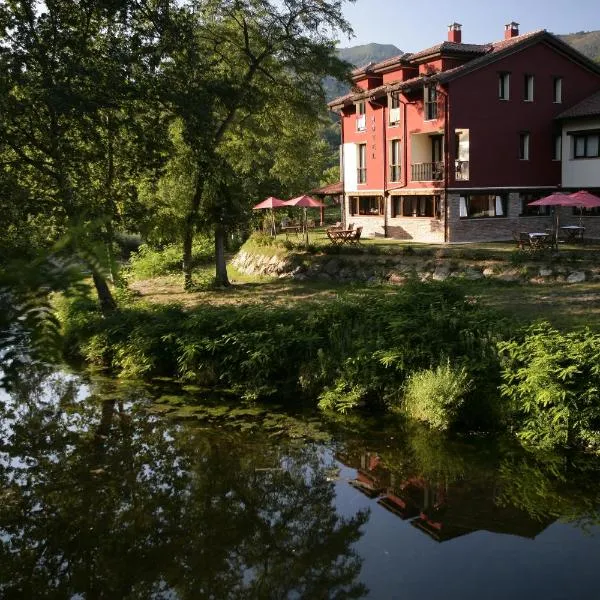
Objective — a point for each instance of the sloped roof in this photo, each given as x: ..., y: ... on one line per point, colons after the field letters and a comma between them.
x: 491, y: 52
x: 451, y: 48
x: 590, y: 107
x: 333, y: 189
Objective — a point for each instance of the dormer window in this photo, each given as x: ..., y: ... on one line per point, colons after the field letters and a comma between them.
x: 430, y: 99
x: 361, y: 116
x: 394, y: 109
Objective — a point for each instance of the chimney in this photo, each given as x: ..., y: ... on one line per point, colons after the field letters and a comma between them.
x: 454, y: 33
x: 511, y: 30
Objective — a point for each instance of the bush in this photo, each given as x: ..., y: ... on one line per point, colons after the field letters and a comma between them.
x: 552, y: 380
x: 436, y: 396
x: 352, y: 351
x: 150, y: 262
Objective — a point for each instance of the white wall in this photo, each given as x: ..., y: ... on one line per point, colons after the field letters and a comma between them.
x: 579, y: 172
x: 350, y: 165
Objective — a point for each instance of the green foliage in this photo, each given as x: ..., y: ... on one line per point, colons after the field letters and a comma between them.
x: 150, y: 262
x: 436, y: 396
x: 352, y: 351
x: 552, y: 380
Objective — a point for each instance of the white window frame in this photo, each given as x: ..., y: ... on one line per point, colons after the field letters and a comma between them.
x: 393, y: 109
x: 529, y: 86
x: 504, y: 86
x: 557, y: 149
x: 524, y: 145
x: 361, y: 116
x: 361, y: 163
x: 430, y: 112
x: 395, y: 166
x: 557, y: 90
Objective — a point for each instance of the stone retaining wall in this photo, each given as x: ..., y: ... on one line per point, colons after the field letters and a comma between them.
x: 397, y: 269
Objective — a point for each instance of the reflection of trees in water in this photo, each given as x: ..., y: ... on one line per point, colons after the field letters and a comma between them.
x: 100, y: 500
x: 449, y: 487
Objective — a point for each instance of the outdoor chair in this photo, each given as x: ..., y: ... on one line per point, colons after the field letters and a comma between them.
x: 522, y: 239
x: 355, y: 239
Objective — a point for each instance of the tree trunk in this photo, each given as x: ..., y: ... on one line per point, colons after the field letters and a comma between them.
x: 105, y: 298
x: 189, y: 227
x: 221, y: 278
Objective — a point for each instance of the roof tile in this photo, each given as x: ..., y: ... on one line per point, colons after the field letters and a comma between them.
x: 590, y: 107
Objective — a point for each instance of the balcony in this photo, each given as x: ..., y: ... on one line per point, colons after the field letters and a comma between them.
x: 430, y: 171
x: 461, y: 170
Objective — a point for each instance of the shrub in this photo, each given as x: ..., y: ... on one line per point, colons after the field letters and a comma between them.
x: 436, y: 396
x: 351, y: 351
x: 552, y: 380
x: 150, y: 262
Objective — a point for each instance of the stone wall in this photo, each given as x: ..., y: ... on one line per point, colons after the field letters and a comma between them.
x: 397, y: 269
x: 495, y: 229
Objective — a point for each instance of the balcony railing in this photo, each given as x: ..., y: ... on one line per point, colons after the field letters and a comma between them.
x: 433, y: 171
x: 461, y: 170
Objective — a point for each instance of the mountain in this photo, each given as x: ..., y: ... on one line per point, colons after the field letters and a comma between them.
x: 587, y: 42
x: 358, y: 56
x: 361, y: 55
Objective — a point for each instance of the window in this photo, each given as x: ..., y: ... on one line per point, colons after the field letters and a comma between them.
x: 532, y: 211
x: 368, y: 206
x: 558, y: 90
x: 477, y: 206
x: 395, y: 160
x: 557, y: 149
x: 361, y: 116
x: 503, y: 86
x: 524, y: 145
x: 586, y: 145
x: 431, y: 108
x: 394, y: 109
x: 528, y: 88
x: 362, y: 164
x: 416, y: 206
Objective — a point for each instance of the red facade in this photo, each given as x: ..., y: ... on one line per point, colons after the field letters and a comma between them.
x: 454, y: 120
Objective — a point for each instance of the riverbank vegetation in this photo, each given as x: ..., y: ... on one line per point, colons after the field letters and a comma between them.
x: 427, y: 349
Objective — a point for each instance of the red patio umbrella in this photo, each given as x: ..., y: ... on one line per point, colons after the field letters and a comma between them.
x: 582, y: 199
x: 270, y: 203
x: 305, y: 202
x: 587, y: 200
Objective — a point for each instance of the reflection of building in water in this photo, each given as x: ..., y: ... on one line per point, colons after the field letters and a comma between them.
x: 444, y: 510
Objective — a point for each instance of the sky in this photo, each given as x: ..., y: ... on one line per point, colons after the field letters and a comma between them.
x: 415, y: 25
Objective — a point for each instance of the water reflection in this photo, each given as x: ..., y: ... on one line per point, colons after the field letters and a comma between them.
x: 99, y: 500
x: 448, y: 488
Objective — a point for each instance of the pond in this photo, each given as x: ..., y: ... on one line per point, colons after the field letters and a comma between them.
x: 104, y: 496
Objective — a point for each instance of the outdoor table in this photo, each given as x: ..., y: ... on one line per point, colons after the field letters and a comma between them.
x: 291, y: 229
x: 339, y: 237
x: 540, y: 240
x: 573, y: 232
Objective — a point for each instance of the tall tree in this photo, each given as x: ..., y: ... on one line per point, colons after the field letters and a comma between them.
x: 72, y: 77
x: 234, y: 58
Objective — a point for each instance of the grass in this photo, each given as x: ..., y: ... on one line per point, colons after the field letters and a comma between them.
x: 565, y: 306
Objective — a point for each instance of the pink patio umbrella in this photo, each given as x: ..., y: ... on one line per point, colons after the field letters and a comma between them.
x: 586, y: 199
x: 270, y: 203
x: 305, y: 202
x: 582, y: 199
